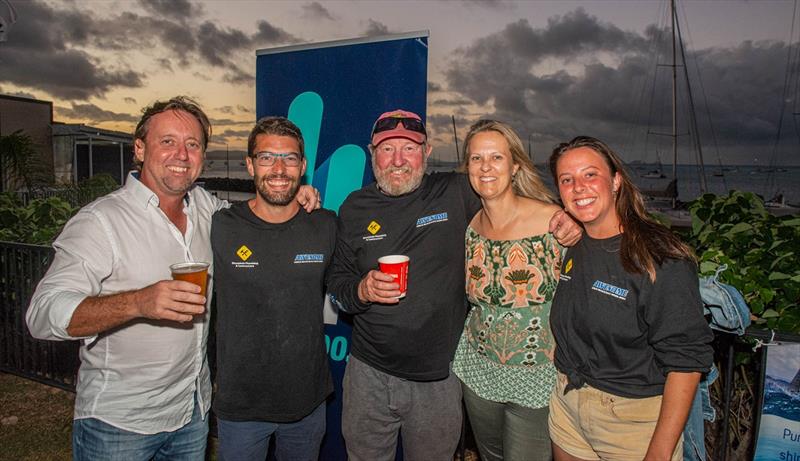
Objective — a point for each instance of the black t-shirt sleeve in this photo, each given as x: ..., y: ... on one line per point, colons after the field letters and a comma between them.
x: 677, y: 329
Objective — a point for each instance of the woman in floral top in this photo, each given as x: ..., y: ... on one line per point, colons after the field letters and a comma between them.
x: 505, y: 356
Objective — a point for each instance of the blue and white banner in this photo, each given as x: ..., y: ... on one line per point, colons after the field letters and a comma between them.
x: 333, y: 92
x: 779, y: 427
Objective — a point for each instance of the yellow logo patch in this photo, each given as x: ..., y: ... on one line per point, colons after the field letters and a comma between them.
x: 568, y: 267
x: 243, y: 252
x: 373, y: 227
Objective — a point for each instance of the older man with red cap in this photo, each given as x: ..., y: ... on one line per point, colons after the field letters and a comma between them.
x: 398, y: 378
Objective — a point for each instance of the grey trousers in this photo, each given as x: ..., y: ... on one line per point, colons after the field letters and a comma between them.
x: 377, y: 406
x: 507, y: 430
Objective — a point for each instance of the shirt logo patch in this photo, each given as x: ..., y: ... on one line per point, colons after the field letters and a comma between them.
x: 373, y: 227
x: 609, y: 289
x: 244, y: 261
x: 434, y: 218
x: 309, y: 258
x: 567, y: 267
x: 243, y: 252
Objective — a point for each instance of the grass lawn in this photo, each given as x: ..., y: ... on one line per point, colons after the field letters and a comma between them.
x: 35, y: 420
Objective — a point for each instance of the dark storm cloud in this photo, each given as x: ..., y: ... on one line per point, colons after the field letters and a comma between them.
x: 175, y: 9
x: 82, y: 80
x: 375, y: 28
x: 433, y: 87
x: 490, y: 4
x: 452, y: 102
x: 608, y: 78
x: 315, y: 10
x: 217, y: 44
x: 201, y: 76
x: 38, y: 54
x: 744, y: 86
x: 271, y: 35
x: 230, y: 110
x: 219, y: 47
x: 235, y: 134
x: 238, y: 76
x: 93, y: 114
x: 20, y: 94
x: 500, y: 64
x: 229, y: 122
x: 49, y: 39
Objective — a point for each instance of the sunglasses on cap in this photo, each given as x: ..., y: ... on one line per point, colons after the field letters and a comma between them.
x: 390, y: 123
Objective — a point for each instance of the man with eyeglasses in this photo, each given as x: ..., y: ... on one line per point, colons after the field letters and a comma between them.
x: 144, y: 385
x: 272, y: 370
x: 398, y: 378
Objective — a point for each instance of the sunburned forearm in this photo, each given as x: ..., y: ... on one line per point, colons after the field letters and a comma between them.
x: 173, y: 300
x: 679, y: 393
x: 97, y: 314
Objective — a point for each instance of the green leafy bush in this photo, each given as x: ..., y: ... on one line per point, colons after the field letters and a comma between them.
x: 38, y: 223
x: 42, y: 219
x: 99, y: 184
x: 760, y: 250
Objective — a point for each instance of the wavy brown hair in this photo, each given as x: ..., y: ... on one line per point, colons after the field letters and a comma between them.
x: 645, y: 242
x: 526, y: 182
x: 177, y: 103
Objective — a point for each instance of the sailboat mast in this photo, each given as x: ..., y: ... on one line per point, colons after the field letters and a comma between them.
x: 455, y: 137
x: 674, y: 102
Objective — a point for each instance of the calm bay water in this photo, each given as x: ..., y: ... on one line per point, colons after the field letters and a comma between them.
x: 759, y: 180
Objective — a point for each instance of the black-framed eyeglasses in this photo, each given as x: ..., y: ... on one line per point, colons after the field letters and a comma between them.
x: 269, y: 158
x: 390, y: 123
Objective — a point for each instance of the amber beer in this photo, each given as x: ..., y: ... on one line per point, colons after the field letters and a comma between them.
x: 196, y: 273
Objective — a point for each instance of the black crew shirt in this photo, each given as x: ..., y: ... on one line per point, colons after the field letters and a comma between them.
x: 621, y: 333
x: 271, y: 359
x: 416, y: 338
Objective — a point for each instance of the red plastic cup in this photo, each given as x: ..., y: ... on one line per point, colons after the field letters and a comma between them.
x: 397, y: 267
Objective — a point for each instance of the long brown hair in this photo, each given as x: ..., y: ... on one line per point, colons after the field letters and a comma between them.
x: 526, y: 182
x: 645, y: 242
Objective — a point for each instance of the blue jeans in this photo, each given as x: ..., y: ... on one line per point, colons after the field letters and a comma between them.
x: 93, y: 440
x: 694, y: 448
x: 249, y: 440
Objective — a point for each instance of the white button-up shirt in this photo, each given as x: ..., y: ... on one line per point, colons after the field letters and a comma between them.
x: 141, y: 376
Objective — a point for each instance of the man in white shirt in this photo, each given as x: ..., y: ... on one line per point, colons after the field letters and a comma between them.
x: 143, y: 388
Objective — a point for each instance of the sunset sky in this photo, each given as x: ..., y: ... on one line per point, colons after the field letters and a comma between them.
x: 553, y: 69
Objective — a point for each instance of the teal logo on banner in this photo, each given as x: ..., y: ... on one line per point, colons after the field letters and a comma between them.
x: 343, y: 171
x: 334, y: 92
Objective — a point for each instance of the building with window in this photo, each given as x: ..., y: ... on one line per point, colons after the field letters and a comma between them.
x: 73, y: 151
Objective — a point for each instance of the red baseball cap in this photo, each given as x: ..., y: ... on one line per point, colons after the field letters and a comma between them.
x: 399, y: 124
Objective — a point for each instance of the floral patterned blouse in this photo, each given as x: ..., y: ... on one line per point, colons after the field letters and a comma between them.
x: 506, y: 350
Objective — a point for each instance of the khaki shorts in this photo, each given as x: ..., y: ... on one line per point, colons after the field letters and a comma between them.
x: 591, y: 424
